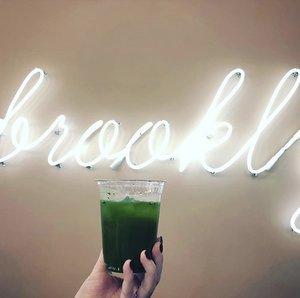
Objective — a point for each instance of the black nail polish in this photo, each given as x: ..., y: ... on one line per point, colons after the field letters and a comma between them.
x: 161, y: 247
x: 148, y: 254
x: 160, y: 239
x: 131, y: 265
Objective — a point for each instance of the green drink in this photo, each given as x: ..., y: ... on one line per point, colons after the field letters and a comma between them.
x: 129, y: 218
x: 128, y: 227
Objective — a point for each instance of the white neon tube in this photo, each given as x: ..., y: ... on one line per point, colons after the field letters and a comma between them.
x: 198, y: 142
x: 125, y: 153
x: 293, y: 221
x: 80, y: 146
x: 268, y: 117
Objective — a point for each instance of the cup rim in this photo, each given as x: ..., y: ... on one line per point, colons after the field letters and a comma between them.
x: 130, y: 180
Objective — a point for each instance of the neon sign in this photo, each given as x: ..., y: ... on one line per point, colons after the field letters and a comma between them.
x: 195, y: 147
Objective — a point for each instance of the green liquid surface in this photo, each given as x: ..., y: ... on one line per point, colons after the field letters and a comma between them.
x: 128, y: 227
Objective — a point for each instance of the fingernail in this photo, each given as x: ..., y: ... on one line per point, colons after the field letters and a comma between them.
x: 161, y: 247
x: 148, y: 254
x: 131, y: 265
x: 160, y: 239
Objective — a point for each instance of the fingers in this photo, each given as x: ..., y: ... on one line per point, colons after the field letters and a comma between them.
x: 97, y: 277
x: 128, y: 282
x: 158, y: 256
x: 150, y: 280
x: 99, y: 266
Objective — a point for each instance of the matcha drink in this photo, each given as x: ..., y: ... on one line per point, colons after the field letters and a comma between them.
x: 128, y: 227
x: 129, y: 219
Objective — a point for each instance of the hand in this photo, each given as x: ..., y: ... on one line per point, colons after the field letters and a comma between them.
x: 100, y: 284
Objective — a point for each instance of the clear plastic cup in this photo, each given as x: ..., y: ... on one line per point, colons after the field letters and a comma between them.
x: 129, y: 219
